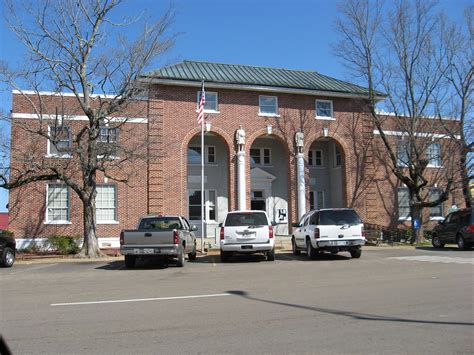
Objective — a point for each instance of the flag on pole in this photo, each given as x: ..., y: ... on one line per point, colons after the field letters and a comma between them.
x: 202, y: 102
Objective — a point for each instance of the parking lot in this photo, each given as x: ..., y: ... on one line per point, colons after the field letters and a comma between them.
x: 388, y: 301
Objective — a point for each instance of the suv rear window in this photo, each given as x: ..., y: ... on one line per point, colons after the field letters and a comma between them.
x: 338, y: 217
x: 246, y: 219
x: 160, y: 223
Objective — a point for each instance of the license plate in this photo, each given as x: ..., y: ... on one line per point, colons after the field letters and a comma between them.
x: 341, y: 243
x: 147, y: 251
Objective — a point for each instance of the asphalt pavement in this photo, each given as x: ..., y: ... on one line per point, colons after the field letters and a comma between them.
x: 390, y: 301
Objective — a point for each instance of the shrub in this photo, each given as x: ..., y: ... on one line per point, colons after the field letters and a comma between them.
x: 6, y: 233
x: 62, y: 244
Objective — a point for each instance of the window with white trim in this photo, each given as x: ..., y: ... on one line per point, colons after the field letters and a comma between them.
x: 268, y: 105
x: 260, y: 156
x: 59, y: 142
x: 108, y: 135
x: 194, y: 205
x: 403, y: 157
x: 315, y: 157
x: 106, y: 203
x: 211, y: 101
x: 58, y: 205
x: 436, y: 212
x: 324, y: 109
x: 433, y: 154
x: 316, y: 200
x: 403, y: 199
x: 194, y: 155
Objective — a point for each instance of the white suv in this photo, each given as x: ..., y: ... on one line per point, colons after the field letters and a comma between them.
x: 333, y: 230
x: 247, y: 232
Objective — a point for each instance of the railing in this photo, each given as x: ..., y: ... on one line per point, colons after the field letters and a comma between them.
x: 376, y: 234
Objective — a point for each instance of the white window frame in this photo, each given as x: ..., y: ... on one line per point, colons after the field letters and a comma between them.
x: 99, y: 138
x: 313, y: 164
x: 208, y: 205
x: 47, y: 220
x: 405, y: 153
x: 315, y: 194
x: 216, y: 110
x: 267, y: 114
x: 441, y: 206
x: 262, y: 156
x: 206, y: 157
x: 49, y: 154
x: 331, y: 117
x: 110, y: 221
x: 403, y: 218
x: 438, y: 163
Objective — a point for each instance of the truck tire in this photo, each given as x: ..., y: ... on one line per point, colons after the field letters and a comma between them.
x: 310, y: 251
x: 130, y: 261
x: 181, y: 257
x: 192, y: 255
x: 294, y: 248
x: 271, y: 255
x: 225, y: 255
x: 436, y: 242
x: 356, y: 253
x: 8, y: 257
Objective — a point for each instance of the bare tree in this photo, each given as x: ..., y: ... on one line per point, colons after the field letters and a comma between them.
x: 78, y: 46
x: 399, y: 52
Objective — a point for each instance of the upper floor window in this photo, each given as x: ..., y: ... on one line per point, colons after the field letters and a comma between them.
x: 59, y: 142
x: 324, y: 109
x: 194, y: 155
x: 260, y: 156
x: 268, y: 105
x: 315, y: 157
x: 108, y: 135
x: 211, y: 101
x: 57, y: 203
x: 403, y: 203
x: 434, y: 154
x: 436, y: 212
x: 403, y: 153
x: 106, y: 203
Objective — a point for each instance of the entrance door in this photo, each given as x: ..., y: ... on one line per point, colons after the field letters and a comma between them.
x: 257, y: 201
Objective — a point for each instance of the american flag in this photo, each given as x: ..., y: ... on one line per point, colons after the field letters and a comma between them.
x: 202, y: 102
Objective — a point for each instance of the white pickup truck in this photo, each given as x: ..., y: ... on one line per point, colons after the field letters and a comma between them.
x: 159, y: 236
x: 332, y: 229
x: 247, y: 232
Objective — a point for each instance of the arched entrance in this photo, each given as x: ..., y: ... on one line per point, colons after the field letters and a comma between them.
x: 269, y: 180
x: 325, y: 164
x: 216, y: 182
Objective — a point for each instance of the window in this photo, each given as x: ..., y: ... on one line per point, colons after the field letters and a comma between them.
x: 403, y: 203
x: 108, y: 135
x: 403, y: 157
x: 433, y: 154
x: 436, y: 212
x: 106, y: 203
x: 315, y: 157
x: 211, y: 101
x: 194, y: 203
x: 57, y: 209
x: 316, y: 200
x: 337, y: 156
x: 268, y: 105
x: 194, y: 155
x: 59, y: 143
x: 324, y: 109
x: 260, y: 156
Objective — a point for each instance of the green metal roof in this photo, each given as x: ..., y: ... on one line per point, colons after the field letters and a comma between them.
x: 237, y: 74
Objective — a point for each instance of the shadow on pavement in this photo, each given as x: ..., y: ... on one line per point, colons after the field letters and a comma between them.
x: 445, y: 249
x: 321, y: 257
x: 348, y: 314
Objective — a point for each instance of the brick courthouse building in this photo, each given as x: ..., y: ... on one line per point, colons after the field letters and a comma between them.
x: 337, y: 165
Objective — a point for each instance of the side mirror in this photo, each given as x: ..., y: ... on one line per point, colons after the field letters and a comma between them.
x: 274, y: 223
x: 221, y: 225
x: 194, y: 228
x: 296, y: 225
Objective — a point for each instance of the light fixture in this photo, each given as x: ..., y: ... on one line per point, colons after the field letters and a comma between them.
x: 269, y: 129
x: 325, y: 131
x: 208, y: 126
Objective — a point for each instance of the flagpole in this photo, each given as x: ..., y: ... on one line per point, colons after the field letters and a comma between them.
x: 202, y: 186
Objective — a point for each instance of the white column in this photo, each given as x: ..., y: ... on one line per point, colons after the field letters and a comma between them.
x: 300, y: 185
x: 241, y: 190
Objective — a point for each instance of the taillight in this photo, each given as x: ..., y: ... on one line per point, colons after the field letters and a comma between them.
x: 175, y: 237
x: 270, y: 232
x: 470, y: 228
x: 121, y: 238
x: 222, y: 233
x: 364, y: 233
x: 316, y: 233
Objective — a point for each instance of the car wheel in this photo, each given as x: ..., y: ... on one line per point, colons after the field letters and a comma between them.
x: 294, y: 248
x: 192, y: 255
x: 8, y: 257
x: 436, y: 242
x: 180, y: 260
x: 356, y: 253
x: 225, y: 255
x: 310, y: 251
x: 130, y: 261
x: 462, y: 243
x: 271, y: 255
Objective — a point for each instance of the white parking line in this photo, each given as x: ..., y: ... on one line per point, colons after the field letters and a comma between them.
x: 436, y: 259
x: 141, y: 299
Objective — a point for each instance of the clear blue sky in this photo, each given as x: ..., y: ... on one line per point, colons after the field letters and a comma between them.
x: 294, y: 34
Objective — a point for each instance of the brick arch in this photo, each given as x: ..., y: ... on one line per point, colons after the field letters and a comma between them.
x: 263, y: 132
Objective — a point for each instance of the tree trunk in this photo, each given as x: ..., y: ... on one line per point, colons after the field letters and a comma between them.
x: 417, y: 236
x: 465, y: 179
x: 90, y: 247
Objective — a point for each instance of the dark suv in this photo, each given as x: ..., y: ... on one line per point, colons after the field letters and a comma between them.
x: 457, y: 227
x: 7, y: 249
